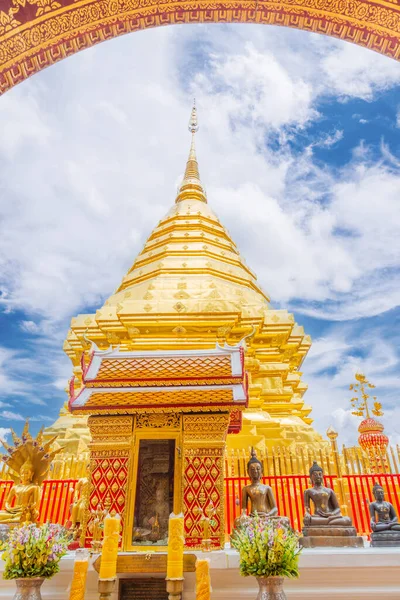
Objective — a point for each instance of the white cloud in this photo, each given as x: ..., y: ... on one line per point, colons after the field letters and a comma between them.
x: 4, y: 432
x: 350, y: 71
x: 85, y: 176
x: 11, y: 416
x: 30, y: 327
x: 104, y: 173
x: 330, y: 367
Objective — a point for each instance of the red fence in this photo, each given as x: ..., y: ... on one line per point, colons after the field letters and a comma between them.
x: 55, y: 502
x: 288, y: 491
x: 5, y: 487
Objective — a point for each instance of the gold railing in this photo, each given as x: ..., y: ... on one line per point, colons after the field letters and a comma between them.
x: 298, y: 460
x: 276, y: 462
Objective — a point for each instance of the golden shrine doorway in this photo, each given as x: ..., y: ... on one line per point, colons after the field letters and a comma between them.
x: 159, y: 422
x: 37, y: 33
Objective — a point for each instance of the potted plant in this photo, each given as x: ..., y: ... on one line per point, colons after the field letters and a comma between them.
x: 32, y: 554
x: 269, y: 550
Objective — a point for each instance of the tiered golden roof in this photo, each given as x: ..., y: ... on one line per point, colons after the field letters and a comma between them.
x: 188, y: 289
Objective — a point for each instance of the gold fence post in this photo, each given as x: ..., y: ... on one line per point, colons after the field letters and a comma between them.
x: 332, y: 435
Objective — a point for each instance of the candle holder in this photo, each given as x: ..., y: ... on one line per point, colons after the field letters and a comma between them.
x: 105, y: 587
x: 174, y: 588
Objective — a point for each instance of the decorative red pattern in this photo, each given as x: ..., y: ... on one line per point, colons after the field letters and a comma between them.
x: 109, y: 477
x: 201, y: 484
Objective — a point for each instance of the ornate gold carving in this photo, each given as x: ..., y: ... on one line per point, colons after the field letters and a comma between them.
x: 110, y: 430
x: 179, y: 330
x: 158, y: 420
x: 205, y: 427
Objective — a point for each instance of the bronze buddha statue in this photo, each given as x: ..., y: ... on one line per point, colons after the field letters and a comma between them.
x: 261, y: 496
x: 326, y: 505
x: 326, y: 526
x: 384, y: 523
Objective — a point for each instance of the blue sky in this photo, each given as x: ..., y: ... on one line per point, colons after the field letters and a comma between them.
x: 299, y: 151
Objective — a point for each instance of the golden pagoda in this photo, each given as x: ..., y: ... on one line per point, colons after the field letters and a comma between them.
x: 189, y: 289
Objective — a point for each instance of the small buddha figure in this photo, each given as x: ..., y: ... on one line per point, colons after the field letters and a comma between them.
x: 206, y: 521
x: 261, y: 496
x: 159, y: 511
x: 98, y: 523
x: 97, y: 527
x: 384, y: 522
x: 326, y: 506
x: 25, y: 495
x: 79, y: 500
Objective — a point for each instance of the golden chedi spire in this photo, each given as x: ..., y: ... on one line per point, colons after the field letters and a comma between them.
x: 188, y: 289
x: 191, y: 186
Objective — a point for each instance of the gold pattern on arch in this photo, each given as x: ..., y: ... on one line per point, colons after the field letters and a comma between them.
x: 37, y: 33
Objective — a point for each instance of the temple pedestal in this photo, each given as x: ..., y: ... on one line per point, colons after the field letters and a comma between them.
x: 385, y: 539
x: 337, y: 537
x: 325, y: 574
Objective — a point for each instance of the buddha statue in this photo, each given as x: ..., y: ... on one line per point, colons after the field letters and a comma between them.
x: 326, y: 526
x: 384, y: 523
x: 261, y: 496
x: 326, y: 505
x: 28, y: 462
x: 207, y: 522
x: 156, y: 520
x: 25, y: 496
x: 80, y: 500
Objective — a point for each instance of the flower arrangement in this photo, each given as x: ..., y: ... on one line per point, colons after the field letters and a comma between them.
x: 267, y: 548
x: 32, y: 551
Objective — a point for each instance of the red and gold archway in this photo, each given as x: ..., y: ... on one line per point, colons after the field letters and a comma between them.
x: 37, y: 33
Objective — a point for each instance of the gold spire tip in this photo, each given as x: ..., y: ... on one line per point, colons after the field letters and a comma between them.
x: 193, y: 123
x: 191, y: 187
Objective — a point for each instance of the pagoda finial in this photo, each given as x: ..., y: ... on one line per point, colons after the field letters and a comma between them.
x: 191, y: 187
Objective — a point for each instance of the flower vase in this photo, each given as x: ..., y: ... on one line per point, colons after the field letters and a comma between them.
x: 28, y: 588
x: 271, y: 588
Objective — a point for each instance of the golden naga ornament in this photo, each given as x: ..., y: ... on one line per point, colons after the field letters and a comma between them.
x: 28, y: 461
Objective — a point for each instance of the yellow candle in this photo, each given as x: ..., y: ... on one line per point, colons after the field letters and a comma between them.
x: 109, y: 552
x: 78, y: 584
x: 175, y: 547
x: 203, y: 584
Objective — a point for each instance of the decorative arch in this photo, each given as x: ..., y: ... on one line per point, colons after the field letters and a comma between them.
x: 37, y: 33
